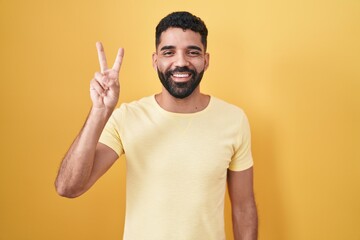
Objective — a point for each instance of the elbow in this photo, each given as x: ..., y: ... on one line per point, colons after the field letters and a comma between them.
x: 67, y: 192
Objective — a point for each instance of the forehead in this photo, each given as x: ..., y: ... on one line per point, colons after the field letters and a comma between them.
x: 180, y: 38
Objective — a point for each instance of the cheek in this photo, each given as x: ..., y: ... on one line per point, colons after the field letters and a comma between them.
x: 163, y: 66
x: 159, y: 63
x: 200, y: 66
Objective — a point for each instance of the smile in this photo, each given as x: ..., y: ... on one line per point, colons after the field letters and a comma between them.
x: 181, y: 75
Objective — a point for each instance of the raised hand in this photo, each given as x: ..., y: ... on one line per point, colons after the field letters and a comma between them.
x: 105, y: 86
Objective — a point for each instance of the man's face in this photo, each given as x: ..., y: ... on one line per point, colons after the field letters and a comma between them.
x: 180, y: 61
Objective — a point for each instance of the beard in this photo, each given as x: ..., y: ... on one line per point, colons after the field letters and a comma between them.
x: 180, y: 89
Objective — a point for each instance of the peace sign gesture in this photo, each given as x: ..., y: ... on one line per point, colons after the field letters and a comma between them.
x: 105, y: 87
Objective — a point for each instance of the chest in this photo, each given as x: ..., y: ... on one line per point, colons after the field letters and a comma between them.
x: 194, y: 147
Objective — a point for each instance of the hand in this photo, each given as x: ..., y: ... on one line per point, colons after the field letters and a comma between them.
x: 105, y: 87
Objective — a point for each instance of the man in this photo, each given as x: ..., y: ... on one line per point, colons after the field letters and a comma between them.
x: 181, y: 145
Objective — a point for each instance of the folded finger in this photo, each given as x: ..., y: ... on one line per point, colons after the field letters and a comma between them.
x: 96, y: 86
x: 101, y: 79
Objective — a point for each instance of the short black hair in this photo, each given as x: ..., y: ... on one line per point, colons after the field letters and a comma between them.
x: 184, y: 20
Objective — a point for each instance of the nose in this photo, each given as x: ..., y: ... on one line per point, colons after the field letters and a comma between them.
x: 181, y: 60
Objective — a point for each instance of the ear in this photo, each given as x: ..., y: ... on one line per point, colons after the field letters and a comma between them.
x: 207, y: 59
x: 154, y: 60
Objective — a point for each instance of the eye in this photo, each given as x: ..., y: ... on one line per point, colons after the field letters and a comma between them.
x: 194, y: 53
x: 167, y: 53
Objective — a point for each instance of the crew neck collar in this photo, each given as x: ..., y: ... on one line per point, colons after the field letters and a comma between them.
x: 153, y: 99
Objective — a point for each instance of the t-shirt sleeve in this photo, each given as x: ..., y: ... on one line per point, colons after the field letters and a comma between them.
x: 111, y: 134
x: 242, y: 158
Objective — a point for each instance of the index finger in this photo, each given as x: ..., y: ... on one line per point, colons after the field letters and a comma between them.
x: 102, y: 57
x: 118, y: 60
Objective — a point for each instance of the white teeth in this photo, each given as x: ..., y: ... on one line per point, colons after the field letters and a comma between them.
x: 181, y: 75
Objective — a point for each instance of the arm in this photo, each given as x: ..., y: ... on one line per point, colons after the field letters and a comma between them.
x: 244, y: 213
x: 87, y: 160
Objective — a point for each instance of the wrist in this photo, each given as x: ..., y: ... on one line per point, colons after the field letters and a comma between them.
x: 101, y: 112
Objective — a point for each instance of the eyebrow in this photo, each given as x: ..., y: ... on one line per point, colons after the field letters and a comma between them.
x: 194, y: 48
x: 168, y: 47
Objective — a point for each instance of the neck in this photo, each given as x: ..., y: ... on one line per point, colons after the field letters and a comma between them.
x: 194, y: 103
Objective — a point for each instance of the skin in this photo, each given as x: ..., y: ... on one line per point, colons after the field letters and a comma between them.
x: 87, y: 160
x: 179, y: 48
x: 244, y: 212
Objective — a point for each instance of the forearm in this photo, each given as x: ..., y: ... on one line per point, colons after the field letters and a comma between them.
x: 76, y: 167
x: 245, y: 222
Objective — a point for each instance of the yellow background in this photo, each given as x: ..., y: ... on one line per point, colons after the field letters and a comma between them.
x: 293, y: 66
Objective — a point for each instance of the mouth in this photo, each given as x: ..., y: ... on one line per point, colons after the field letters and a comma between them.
x: 181, y: 76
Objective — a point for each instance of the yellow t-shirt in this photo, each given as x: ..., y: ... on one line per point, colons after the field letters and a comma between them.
x: 177, y: 166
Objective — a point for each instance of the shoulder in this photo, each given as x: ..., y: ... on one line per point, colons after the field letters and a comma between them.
x: 142, y: 104
x: 229, y: 109
x: 135, y: 111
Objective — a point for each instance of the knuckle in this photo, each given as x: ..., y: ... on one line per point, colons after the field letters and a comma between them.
x: 98, y: 75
